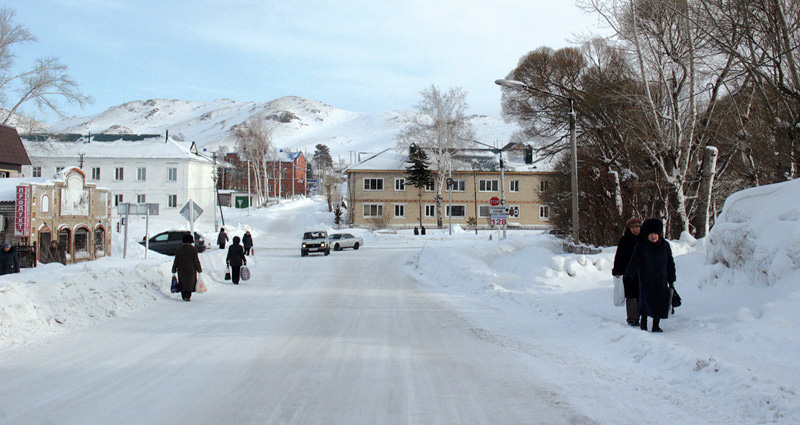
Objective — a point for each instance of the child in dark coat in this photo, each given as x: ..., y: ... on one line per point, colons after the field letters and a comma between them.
x: 653, y: 264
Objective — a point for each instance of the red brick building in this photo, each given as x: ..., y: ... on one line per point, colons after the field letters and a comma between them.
x: 286, y: 174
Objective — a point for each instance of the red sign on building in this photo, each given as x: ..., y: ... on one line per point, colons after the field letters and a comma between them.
x: 22, y: 215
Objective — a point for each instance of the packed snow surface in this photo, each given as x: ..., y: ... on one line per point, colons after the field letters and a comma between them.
x: 436, y: 329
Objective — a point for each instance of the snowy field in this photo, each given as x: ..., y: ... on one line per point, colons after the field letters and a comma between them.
x: 727, y: 356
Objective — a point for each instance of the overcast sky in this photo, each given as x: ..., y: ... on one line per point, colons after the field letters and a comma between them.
x: 359, y: 55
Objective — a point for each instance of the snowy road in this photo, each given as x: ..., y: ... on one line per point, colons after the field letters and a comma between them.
x: 342, y: 339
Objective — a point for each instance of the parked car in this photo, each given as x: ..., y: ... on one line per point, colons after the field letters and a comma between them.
x: 341, y: 241
x: 316, y: 241
x: 168, y: 242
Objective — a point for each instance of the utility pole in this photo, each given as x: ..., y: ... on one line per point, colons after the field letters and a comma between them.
x: 249, y: 197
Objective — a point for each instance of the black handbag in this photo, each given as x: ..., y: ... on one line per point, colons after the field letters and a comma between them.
x: 676, y: 299
x: 228, y: 274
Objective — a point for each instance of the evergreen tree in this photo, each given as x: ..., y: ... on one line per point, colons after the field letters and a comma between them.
x: 418, y: 174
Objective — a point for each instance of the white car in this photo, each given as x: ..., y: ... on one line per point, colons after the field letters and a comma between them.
x: 341, y: 241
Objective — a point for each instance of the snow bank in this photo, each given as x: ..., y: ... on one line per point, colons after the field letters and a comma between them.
x: 756, y: 239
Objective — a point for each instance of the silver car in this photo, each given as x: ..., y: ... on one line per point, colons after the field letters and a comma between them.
x: 341, y: 241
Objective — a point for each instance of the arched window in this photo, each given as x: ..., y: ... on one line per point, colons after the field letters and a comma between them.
x: 82, y: 244
x: 99, y: 242
x: 45, y: 203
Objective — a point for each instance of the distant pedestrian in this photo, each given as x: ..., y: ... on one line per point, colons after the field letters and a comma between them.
x: 624, y: 251
x: 222, y: 239
x: 652, y: 262
x: 422, y: 229
x: 247, y: 242
x: 9, y: 259
x: 187, y: 265
x: 55, y: 254
x: 235, y: 259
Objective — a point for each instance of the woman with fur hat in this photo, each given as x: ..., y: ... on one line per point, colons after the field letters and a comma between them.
x: 653, y: 264
x: 624, y: 251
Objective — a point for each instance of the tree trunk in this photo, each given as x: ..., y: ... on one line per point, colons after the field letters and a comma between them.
x: 702, y: 218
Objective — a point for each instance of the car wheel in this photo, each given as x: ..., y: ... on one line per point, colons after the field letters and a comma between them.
x: 337, y: 247
x: 303, y: 253
x: 327, y: 252
x: 355, y: 246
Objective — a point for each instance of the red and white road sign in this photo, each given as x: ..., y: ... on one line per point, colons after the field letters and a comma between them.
x: 495, y: 201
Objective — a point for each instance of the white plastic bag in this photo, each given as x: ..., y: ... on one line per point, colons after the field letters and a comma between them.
x: 201, y: 286
x: 619, y: 292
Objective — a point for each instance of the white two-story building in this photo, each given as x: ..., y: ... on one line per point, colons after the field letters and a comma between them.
x: 135, y: 168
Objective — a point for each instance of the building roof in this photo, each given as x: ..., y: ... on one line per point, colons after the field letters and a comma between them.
x: 486, y: 160
x: 12, y: 151
x: 147, y: 148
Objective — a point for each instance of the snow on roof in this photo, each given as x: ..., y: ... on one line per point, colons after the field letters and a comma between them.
x: 8, y: 187
x: 489, y: 160
x: 154, y: 148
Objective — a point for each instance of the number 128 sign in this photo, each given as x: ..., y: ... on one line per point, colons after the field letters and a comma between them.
x: 498, y: 220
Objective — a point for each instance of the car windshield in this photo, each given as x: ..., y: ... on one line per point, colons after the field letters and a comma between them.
x: 314, y: 235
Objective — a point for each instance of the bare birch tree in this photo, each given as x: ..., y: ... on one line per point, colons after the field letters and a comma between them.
x: 254, y: 142
x: 45, y: 84
x: 442, y: 128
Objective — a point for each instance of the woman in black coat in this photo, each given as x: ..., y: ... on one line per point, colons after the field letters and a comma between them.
x: 187, y: 265
x: 652, y: 262
x: 235, y: 259
x: 247, y: 241
x: 624, y: 251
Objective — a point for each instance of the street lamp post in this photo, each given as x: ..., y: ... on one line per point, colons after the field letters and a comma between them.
x: 572, y: 142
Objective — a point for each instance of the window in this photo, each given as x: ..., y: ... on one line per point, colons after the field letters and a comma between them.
x: 37, y: 171
x: 513, y: 211
x: 141, y: 174
x: 399, y: 184
x: 172, y: 174
x: 373, y: 184
x: 119, y: 174
x: 543, y: 185
x: 483, y: 211
x: 58, y: 169
x: 82, y: 243
x: 514, y: 186
x: 399, y: 210
x: 99, y: 242
x: 430, y: 186
x: 430, y: 211
x: 488, y: 185
x: 457, y: 211
x: 117, y: 199
x: 544, y: 212
x: 95, y: 173
x: 140, y: 199
x: 45, y: 208
x: 458, y: 185
x: 172, y: 201
x: 373, y: 210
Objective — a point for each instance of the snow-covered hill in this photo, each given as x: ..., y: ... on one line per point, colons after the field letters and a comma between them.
x: 297, y: 123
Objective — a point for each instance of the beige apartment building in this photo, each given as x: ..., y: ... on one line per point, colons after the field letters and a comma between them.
x: 378, y: 196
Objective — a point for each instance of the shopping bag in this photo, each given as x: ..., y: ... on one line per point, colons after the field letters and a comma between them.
x: 201, y: 286
x: 175, y: 287
x: 244, y: 273
x: 228, y: 273
x: 619, y: 292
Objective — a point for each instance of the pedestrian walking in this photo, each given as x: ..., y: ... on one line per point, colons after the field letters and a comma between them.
x: 9, y: 259
x: 222, y: 238
x: 187, y: 265
x: 623, y: 256
x: 247, y: 242
x: 653, y: 264
x: 235, y: 259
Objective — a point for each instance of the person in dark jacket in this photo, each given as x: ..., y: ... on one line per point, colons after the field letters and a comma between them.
x: 652, y: 262
x: 9, y: 260
x: 247, y: 242
x: 187, y: 265
x: 624, y: 251
x: 222, y: 239
x: 55, y: 254
x: 235, y: 259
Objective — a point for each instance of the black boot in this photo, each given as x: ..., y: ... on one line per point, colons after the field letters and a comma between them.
x: 643, y: 323
x: 655, y: 325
